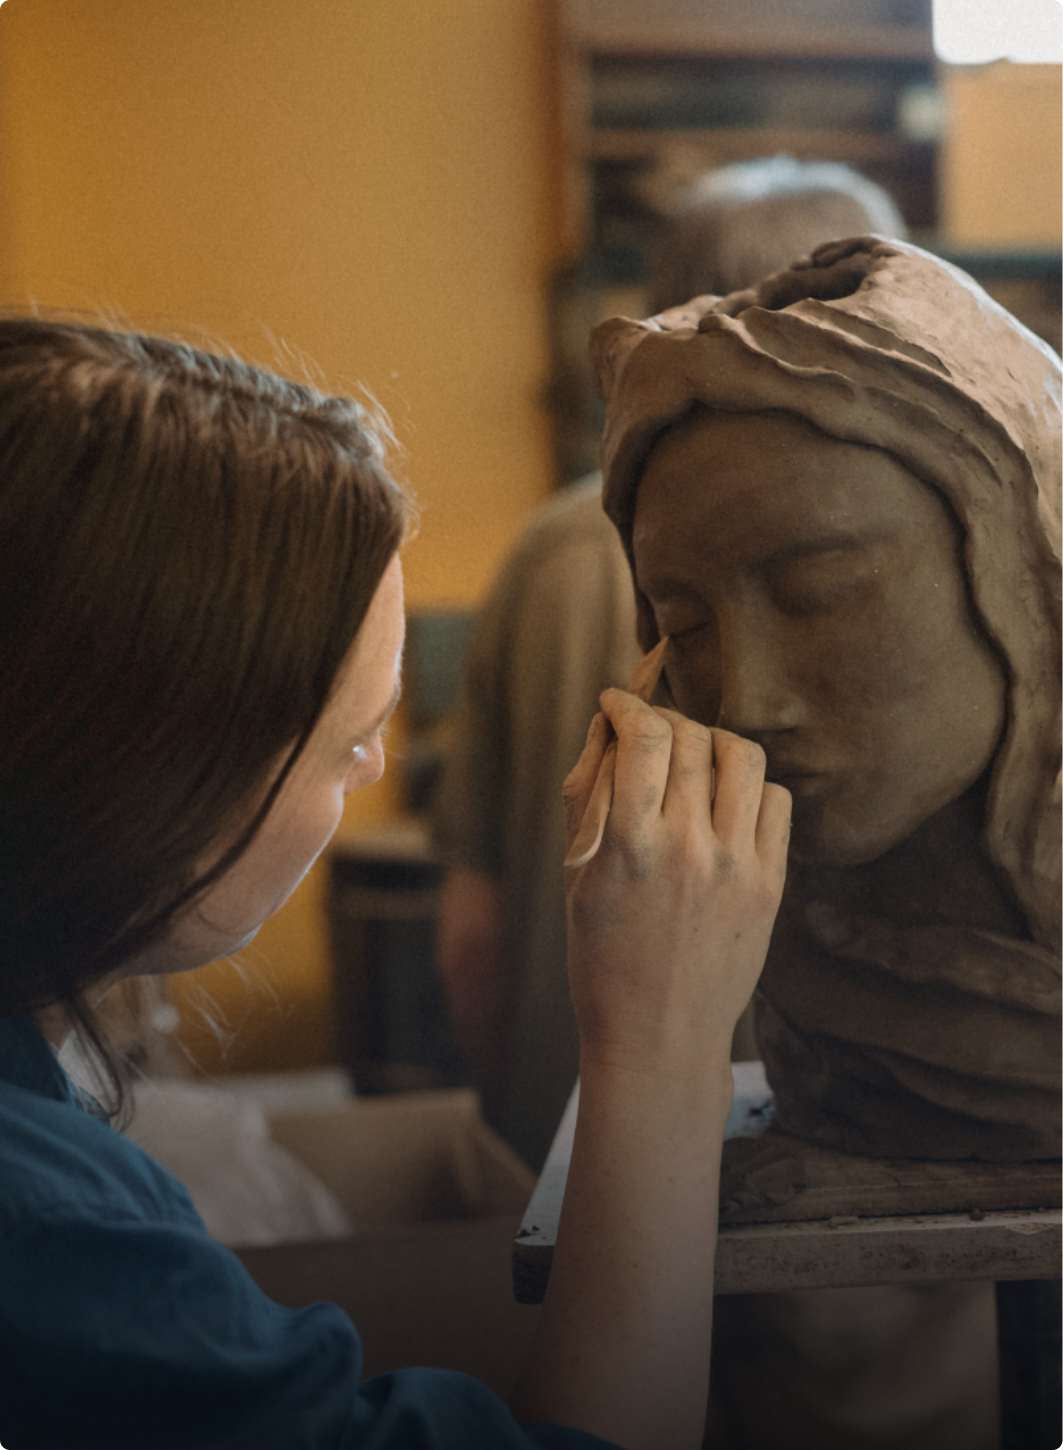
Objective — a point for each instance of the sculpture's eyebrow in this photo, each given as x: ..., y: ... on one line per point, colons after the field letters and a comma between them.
x: 672, y: 590
x: 824, y: 544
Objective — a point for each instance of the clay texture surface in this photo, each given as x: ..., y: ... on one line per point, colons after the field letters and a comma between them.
x: 910, y: 1003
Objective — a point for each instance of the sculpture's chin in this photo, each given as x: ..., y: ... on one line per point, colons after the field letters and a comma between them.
x: 826, y: 835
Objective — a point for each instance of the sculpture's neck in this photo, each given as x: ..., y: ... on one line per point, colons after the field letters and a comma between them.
x: 939, y: 875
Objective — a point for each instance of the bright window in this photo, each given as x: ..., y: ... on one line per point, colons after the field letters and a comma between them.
x: 971, y: 32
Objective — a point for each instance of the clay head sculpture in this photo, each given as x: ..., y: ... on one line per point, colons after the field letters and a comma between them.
x: 839, y: 492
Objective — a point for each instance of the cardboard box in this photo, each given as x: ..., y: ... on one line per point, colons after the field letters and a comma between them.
x: 436, y: 1200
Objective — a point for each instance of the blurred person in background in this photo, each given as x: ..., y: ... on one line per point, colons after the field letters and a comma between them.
x: 557, y: 629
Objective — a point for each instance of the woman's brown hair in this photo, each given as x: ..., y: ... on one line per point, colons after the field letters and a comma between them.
x: 188, y: 547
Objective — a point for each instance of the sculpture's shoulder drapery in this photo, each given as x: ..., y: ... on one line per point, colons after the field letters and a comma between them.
x: 879, y: 343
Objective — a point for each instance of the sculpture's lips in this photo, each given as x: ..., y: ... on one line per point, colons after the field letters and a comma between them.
x: 799, y: 782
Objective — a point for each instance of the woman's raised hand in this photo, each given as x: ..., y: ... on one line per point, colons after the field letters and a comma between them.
x: 669, y: 923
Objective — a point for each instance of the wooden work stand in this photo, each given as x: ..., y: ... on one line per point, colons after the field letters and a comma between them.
x: 793, y: 1216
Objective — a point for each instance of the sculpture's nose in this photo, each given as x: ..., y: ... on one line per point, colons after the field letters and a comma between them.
x: 758, y: 697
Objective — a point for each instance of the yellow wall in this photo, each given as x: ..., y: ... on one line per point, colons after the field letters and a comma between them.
x: 367, y: 180
x: 1002, y: 160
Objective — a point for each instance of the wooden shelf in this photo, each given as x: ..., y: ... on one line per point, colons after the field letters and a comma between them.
x: 736, y: 143
x: 882, y: 43
x: 655, y: 92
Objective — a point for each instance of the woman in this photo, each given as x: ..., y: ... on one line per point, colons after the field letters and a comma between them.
x: 839, y: 491
x: 200, y: 632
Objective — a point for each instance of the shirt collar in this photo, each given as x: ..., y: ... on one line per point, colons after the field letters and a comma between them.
x: 27, y: 1061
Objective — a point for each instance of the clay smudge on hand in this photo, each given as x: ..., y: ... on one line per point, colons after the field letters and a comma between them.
x: 643, y: 682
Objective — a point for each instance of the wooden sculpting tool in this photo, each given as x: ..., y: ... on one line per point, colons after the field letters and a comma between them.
x: 643, y: 682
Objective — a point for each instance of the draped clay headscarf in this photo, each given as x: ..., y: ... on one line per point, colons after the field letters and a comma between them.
x: 936, y: 1041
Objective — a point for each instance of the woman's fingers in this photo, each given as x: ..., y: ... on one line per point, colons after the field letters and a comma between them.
x: 691, y: 768
x: 641, y: 761
x: 773, y: 826
x: 596, y: 816
x: 643, y: 753
x: 740, y: 766
x: 579, y: 784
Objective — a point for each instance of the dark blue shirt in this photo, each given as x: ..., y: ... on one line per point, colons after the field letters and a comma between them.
x: 124, y: 1326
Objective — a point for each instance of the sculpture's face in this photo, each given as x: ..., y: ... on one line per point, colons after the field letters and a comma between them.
x: 817, y: 602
